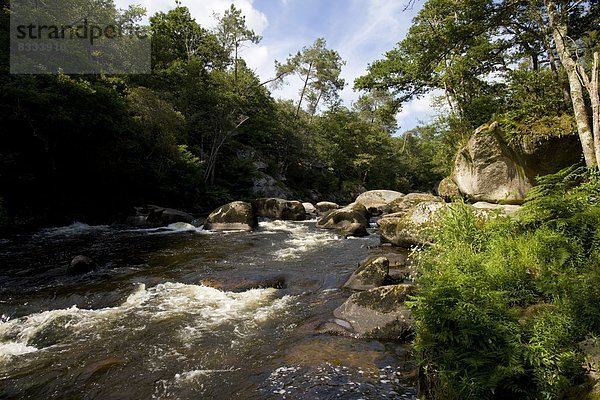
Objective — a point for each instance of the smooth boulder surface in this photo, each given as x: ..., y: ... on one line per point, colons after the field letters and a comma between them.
x: 487, y: 210
x: 351, y: 220
x: 376, y: 201
x: 279, y: 209
x: 378, y: 313
x: 405, y: 204
x: 411, y: 228
x: 152, y: 216
x: 323, y: 207
x: 310, y: 209
x: 490, y: 169
x: 369, y: 275
x: 236, y: 216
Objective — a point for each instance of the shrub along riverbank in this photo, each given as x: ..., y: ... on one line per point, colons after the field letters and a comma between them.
x: 503, y: 304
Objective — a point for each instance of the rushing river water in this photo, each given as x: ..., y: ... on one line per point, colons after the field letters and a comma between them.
x: 181, y: 315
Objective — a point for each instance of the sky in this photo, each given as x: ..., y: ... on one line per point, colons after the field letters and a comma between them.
x: 362, y: 31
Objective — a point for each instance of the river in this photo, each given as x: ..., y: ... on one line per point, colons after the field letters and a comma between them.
x: 185, y: 314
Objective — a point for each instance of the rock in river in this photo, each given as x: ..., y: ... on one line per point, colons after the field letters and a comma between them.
x: 378, y: 313
x: 369, y: 275
x: 376, y: 201
x: 152, y: 216
x: 351, y: 220
x: 81, y: 265
x: 236, y: 216
x: 279, y: 209
x: 324, y: 207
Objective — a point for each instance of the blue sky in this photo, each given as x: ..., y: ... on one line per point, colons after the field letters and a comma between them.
x: 360, y: 30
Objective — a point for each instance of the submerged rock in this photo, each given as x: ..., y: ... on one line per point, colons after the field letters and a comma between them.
x: 279, y: 209
x: 351, y: 220
x: 376, y: 201
x: 236, y: 216
x: 378, y: 313
x: 182, y: 226
x: 81, y: 265
x: 369, y: 275
x: 411, y: 228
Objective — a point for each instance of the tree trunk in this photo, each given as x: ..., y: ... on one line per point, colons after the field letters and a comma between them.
x: 304, y: 88
x: 595, y: 98
x: 559, y: 32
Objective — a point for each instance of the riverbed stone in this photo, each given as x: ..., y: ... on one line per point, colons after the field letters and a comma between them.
x: 309, y: 208
x: 448, y: 190
x: 236, y: 216
x: 370, y: 274
x: 279, y: 209
x: 411, y: 228
x: 351, y: 220
x: 376, y: 201
x: 488, y: 210
x: 323, y: 207
x: 379, y: 313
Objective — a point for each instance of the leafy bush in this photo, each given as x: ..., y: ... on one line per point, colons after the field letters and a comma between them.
x: 502, y: 304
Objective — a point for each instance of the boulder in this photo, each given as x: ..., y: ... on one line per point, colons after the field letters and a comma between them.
x: 152, y: 216
x: 81, y: 265
x: 376, y: 201
x: 369, y: 275
x: 351, y: 220
x: 411, y: 228
x: 324, y: 207
x: 310, y: 209
x: 405, y: 204
x: 181, y: 226
x: 236, y: 216
x: 378, y: 313
x: 448, y: 190
x: 591, y: 351
x: 490, y: 169
x: 279, y: 209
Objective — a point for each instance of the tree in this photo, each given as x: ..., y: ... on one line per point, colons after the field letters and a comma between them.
x: 560, y: 12
x: 319, y: 68
x: 232, y: 33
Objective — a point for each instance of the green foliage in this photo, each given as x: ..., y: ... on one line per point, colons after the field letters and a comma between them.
x: 503, y: 303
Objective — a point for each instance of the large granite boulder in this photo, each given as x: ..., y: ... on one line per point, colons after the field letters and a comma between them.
x: 310, y: 209
x: 369, y: 275
x: 152, y: 216
x: 411, y: 228
x: 376, y: 201
x: 236, y: 216
x: 407, y: 203
x: 279, y: 209
x: 378, y: 313
x: 489, y: 169
x: 351, y: 220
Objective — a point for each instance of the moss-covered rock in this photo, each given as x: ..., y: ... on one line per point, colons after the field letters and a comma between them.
x: 378, y: 313
x: 279, y: 209
x: 371, y: 274
x: 448, y: 190
x: 405, y: 204
x: 236, y: 216
x: 351, y: 220
x: 411, y: 228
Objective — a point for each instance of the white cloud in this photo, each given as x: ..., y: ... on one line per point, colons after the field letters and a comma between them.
x: 203, y: 10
